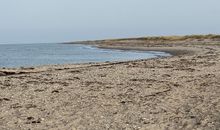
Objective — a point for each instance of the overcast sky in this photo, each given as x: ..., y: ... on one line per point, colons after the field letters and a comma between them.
x: 34, y: 21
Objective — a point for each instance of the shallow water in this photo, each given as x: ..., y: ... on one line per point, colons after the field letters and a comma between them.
x: 24, y: 55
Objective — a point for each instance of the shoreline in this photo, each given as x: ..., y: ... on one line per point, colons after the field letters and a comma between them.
x: 177, y: 92
x: 168, y: 51
x: 173, y: 51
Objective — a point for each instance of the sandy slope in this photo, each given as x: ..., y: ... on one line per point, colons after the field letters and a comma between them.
x: 179, y: 92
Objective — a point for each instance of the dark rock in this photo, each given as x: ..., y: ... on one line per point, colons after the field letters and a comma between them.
x: 122, y: 102
x: 30, y: 118
x: 55, y: 91
x: 4, y: 99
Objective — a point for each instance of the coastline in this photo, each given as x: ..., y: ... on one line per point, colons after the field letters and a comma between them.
x: 173, y: 51
x: 170, y: 50
x: 177, y: 92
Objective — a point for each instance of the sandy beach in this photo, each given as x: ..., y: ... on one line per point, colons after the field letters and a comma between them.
x: 181, y: 92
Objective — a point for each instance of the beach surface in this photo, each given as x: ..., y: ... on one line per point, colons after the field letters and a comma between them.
x: 181, y: 92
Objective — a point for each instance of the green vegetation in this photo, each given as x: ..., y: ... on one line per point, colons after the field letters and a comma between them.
x: 174, y: 38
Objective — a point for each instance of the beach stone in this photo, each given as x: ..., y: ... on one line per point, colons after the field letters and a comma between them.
x: 30, y: 118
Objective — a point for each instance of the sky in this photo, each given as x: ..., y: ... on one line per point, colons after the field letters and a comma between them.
x: 40, y: 21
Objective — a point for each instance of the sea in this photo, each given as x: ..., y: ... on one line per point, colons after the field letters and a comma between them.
x: 29, y: 55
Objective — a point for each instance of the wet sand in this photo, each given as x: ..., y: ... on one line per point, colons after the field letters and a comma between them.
x: 169, y: 93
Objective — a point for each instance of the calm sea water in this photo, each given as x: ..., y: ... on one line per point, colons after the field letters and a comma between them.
x: 25, y: 55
